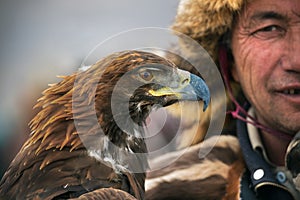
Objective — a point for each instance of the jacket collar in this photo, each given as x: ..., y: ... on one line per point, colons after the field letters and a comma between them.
x: 260, y: 170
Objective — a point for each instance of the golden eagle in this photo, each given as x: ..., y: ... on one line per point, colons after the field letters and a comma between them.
x: 68, y: 156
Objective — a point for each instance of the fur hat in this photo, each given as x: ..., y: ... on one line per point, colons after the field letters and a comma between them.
x: 206, y: 21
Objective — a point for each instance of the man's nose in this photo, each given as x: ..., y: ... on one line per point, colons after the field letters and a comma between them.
x: 294, y: 50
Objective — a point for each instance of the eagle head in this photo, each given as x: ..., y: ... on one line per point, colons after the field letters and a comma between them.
x: 155, y: 85
x: 127, y: 86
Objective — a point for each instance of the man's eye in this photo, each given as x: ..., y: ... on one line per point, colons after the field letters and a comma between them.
x: 269, y: 28
x: 269, y: 32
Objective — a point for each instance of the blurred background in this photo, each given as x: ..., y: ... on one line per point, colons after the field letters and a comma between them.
x: 42, y: 39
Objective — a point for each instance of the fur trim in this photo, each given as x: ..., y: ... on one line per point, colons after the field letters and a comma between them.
x: 206, y: 21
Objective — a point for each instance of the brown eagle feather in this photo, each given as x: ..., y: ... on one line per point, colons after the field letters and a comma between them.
x: 215, y: 176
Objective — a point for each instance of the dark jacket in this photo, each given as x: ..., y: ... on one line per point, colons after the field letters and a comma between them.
x: 259, y: 180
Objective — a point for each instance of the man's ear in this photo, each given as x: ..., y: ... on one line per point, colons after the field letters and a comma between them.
x: 227, y: 64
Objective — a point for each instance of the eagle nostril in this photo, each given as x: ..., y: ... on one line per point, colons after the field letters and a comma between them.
x: 185, y: 81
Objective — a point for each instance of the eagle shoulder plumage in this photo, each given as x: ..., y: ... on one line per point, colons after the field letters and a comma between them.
x: 215, y: 175
x: 66, y: 156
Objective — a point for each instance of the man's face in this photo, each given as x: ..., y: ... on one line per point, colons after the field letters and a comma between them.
x: 266, y: 50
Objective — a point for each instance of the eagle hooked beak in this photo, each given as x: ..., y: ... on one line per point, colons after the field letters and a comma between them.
x: 190, y: 87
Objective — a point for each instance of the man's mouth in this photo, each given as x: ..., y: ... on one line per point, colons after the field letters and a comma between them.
x: 290, y: 96
x: 291, y: 91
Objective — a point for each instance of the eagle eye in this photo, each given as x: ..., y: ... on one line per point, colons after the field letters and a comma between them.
x: 146, y: 75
